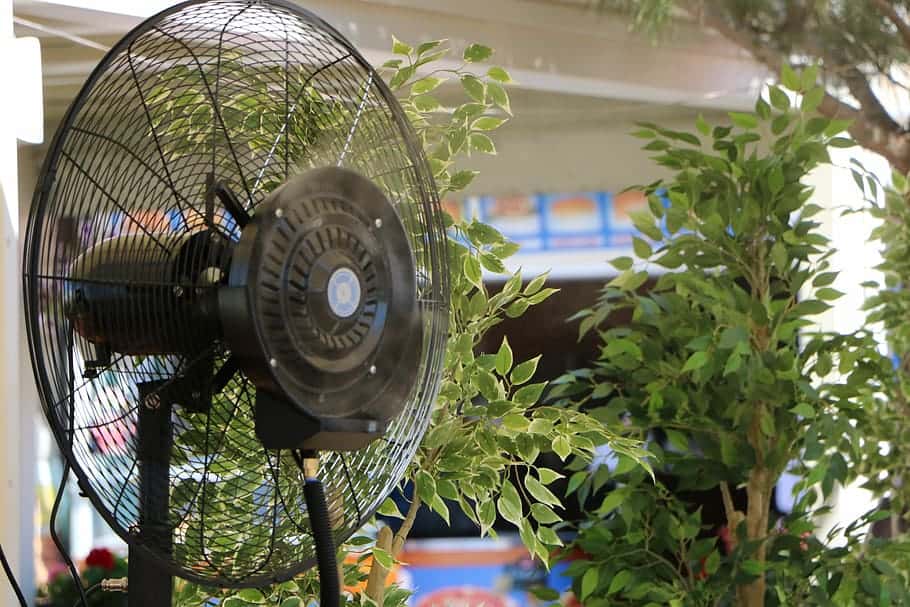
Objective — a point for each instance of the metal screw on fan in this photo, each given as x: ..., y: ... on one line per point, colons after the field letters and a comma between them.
x: 221, y: 270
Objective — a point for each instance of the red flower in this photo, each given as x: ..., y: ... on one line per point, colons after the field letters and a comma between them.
x: 100, y: 557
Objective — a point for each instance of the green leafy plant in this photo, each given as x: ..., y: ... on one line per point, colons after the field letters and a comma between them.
x: 487, y: 428
x: 722, y: 357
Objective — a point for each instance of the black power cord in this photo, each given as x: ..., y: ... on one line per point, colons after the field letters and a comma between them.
x: 91, y: 589
x: 59, y: 544
x: 12, y: 578
x: 321, y: 527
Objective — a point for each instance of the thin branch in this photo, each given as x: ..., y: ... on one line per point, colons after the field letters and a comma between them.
x: 873, y: 129
x: 888, y: 10
x: 729, y: 508
x: 393, y: 545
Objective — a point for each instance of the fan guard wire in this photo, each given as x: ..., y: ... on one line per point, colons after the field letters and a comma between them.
x: 170, y: 108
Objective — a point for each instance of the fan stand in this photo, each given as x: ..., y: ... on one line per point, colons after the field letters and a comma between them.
x: 149, y: 585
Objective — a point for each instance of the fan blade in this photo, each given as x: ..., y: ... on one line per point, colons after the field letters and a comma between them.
x: 224, y: 374
x: 232, y: 204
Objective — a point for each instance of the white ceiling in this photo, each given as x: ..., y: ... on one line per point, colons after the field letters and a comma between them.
x: 553, y: 48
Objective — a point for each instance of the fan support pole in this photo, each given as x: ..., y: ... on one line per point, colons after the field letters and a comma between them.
x: 149, y: 586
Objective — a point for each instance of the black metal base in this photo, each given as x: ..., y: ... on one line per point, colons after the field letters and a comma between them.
x: 149, y: 586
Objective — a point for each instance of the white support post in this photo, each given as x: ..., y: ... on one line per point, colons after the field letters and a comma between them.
x: 21, y: 117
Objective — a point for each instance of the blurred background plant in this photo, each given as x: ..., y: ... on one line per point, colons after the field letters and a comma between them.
x: 100, y: 564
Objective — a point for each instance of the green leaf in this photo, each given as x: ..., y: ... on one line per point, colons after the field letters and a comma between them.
x: 477, y: 52
x: 461, y: 179
x: 644, y: 222
x: 535, y: 285
x: 482, y: 143
x: 425, y: 486
x: 576, y: 480
x: 779, y: 256
x: 251, y: 595
x: 611, y: 501
x: 789, y: 78
x: 744, y: 120
x: 487, y: 385
x: 292, y: 601
x: 809, y: 77
x: 389, y: 508
x: 504, y: 357
x: 642, y: 249
x: 541, y: 296
x: 702, y: 125
x: 622, y: 263
x: 426, y: 103
x: 804, y: 410
x: 425, y: 47
x: 530, y: 394
x: 539, y: 492
x: 400, y: 48
x: 589, y: 582
x: 696, y: 361
x: 425, y: 85
x: 824, y: 279
x: 492, y: 263
x: 779, y: 99
x: 620, y: 581
x: 524, y: 371
x: 499, y: 96
x: 836, y: 126
x: 548, y: 476
x: 383, y: 558
x: 509, y: 503
x: 517, y: 308
x: 545, y: 594
x: 472, y: 270
x: 561, y: 447
x: 474, y: 87
x: 499, y: 74
x: 732, y: 336
x: 828, y: 294
x: 776, y: 180
x: 841, y: 142
x: 712, y: 562
x: 812, y: 99
x: 515, y: 421
x: 487, y: 123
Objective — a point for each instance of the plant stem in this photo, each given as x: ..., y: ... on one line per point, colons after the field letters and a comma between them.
x: 392, y: 544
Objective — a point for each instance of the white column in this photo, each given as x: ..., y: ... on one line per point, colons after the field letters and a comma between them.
x: 11, y: 500
x: 20, y: 118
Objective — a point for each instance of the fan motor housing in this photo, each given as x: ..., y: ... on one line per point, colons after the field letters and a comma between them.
x: 314, y: 316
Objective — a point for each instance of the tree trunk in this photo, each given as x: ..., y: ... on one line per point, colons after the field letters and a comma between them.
x: 872, y: 127
x: 758, y: 509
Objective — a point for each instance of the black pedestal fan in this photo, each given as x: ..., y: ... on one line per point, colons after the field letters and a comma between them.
x: 235, y: 288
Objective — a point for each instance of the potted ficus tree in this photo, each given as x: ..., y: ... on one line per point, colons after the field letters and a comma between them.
x: 723, y: 371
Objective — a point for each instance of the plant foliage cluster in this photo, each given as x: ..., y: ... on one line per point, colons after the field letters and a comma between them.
x: 724, y: 359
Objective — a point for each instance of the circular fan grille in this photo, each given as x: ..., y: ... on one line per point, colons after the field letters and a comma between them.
x: 248, y: 94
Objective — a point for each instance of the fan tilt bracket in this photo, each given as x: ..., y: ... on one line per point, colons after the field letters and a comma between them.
x: 279, y: 425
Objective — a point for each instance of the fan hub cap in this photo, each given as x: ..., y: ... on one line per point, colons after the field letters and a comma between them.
x: 343, y: 292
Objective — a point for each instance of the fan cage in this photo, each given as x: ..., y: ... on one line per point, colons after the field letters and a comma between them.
x: 248, y: 94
